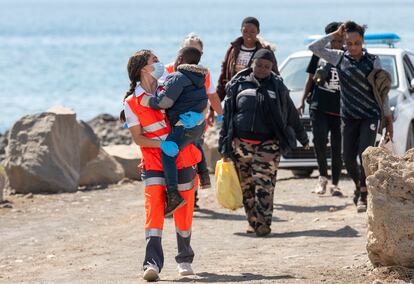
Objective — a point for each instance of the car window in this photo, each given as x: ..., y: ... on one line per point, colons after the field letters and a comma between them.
x: 389, y: 64
x: 294, y: 73
x: 411, y: 57
x: 409, y: 70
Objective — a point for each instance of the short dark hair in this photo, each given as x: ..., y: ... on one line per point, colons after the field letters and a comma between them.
x: 190, y: 55
x: 251, y: 20
x: 331, y: 27
x: 351, y: 27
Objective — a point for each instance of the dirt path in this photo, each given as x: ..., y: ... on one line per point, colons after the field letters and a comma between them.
x: 97, y: 236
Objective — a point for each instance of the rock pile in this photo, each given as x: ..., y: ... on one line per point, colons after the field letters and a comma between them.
x: 109, y: 130
x: 53, y: 152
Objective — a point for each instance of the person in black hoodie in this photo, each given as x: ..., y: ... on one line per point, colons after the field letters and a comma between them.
x: 260, y: 122
x: 185, y: 100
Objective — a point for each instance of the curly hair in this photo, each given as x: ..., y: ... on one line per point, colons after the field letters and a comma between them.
x: 351, y: 26
x: 192, y: 37
x: 135, y: 64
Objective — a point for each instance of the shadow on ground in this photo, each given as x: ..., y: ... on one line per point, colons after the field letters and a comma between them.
x: 205, y: 277
x: 210, y: 214
x: 309, y: 209
x: 343, y: 176
x: 345, y: 232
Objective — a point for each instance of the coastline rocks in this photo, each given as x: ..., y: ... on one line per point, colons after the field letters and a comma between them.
x: 89, y: 144
x: 3, y: 145
x: 129, y: 156
x: 210, y: 146
x: 102, y: 170
x: 52, y: 152
x: 42, y: 154
x: 109, y: 130
x: 2, y: 184
x: 390, y: 182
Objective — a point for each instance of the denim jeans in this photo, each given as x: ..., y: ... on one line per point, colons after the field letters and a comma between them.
x: 182, y: 137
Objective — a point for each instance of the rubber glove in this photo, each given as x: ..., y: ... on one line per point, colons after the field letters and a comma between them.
x: 219, y: 118
x: 191, y: 119
x: 169, y: 148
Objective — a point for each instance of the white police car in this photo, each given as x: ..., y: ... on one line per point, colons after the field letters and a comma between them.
x: 398, y: 62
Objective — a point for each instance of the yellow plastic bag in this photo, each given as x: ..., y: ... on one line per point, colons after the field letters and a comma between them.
x: 228, y: 190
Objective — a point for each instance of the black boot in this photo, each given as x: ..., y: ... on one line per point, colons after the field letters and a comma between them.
x: 173, y: 201
x: 204, y: 180
x: 196, y: 206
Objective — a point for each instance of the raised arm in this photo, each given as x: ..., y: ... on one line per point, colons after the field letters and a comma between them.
x: 318, y: 47
x: 173, y: 88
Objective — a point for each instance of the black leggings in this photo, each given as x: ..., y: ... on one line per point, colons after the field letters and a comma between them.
x: 322, y: 124
x: 358, y: 135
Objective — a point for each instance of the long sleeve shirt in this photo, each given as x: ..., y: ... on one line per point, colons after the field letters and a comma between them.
x: 357, y: 96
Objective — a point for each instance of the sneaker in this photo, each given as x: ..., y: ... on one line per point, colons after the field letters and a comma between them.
x: 357, y: 193
x: 173, y: 202
x: 362, y: 206
x: 335, y: 191
x: 204, y: 180
x: 151, y: 272
x: 249, y: 230
x: 322, y: 183
x: 362, y: 203
x: 263, y: 230
x: 184, y: 269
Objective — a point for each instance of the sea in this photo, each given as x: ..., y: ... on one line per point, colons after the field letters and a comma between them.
x: 74, y: 52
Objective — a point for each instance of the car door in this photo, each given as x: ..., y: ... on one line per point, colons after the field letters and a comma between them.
x: 408, y: 61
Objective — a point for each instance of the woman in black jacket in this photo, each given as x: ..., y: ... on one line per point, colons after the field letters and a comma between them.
x: 260, y: 122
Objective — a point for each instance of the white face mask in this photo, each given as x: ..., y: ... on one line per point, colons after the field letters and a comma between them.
x: 159, y: 70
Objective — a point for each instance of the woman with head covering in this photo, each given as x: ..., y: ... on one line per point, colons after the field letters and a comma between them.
x: 260, y: 122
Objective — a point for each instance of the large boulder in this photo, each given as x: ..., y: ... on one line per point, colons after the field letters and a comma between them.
x: 109, y: 130
x: 129, y: 156
x: 210, y: 146
x: 390, y: 182
x: 89, y: 144
x: 3, y: 145
x: 102, y: 170
x: 2, y: 183
x: 42, y: 154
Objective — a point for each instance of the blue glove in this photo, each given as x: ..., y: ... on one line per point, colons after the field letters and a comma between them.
x: 219, y: 118
x: 191, y: 119
x: 169, y: 148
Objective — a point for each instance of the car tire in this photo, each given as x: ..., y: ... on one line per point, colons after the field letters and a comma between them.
x: 302, y: 173
x: 410, y: 136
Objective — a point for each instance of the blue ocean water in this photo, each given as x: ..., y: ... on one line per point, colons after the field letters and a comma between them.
x: 74, y: 53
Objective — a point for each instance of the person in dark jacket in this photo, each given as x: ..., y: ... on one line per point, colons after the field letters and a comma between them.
x: 185, y: 100
x: 260, y: 122
x: 240, y: 53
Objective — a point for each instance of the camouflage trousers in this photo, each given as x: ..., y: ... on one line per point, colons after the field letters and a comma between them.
x: 257, y: 168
